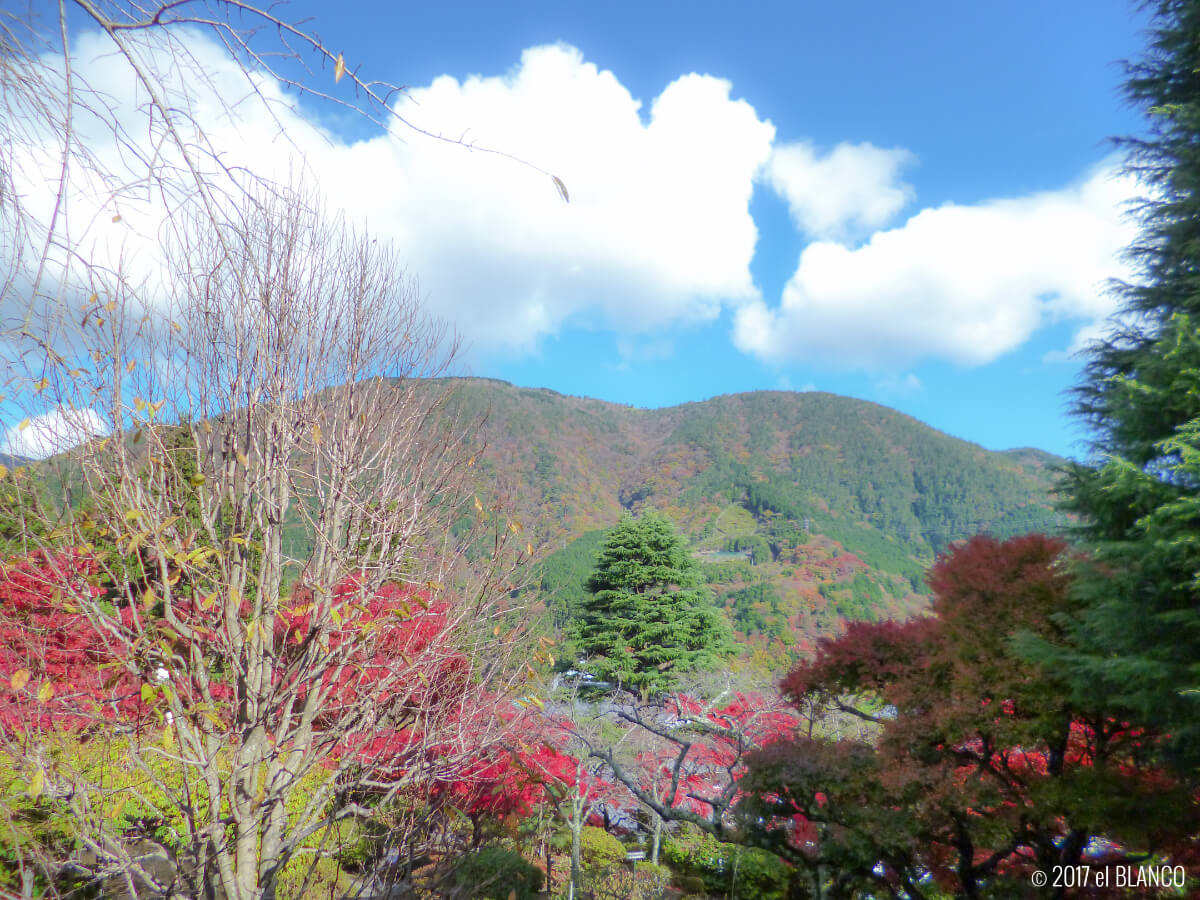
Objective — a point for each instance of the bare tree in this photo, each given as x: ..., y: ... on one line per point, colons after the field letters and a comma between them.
x: 269, y: 526
x: 258, y: 490
x: 692, y: 755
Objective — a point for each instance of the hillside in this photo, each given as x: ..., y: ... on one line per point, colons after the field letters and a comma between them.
x: 805, y: 508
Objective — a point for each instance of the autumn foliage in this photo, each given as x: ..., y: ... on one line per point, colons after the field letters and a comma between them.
x: 56, y: 669
x: 976, y: 766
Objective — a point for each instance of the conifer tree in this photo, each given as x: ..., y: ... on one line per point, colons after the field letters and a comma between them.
x: 1136, y: 642
x: 647, y: 619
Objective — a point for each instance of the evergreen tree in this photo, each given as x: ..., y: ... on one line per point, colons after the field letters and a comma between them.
x: 647, y: 619
x: 1136, y: 642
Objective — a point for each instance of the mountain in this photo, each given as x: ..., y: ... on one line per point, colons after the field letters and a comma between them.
x: 804, y: 508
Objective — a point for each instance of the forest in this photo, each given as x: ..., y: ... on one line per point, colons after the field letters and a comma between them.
x: 289, y: 608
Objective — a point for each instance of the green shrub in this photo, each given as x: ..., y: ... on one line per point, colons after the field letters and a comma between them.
x: 650, y: 883
x: 760, y: 874
x: 599, y: 849
x: 498, y: 874
x: 127, y: 800
x: 724, y: 869
x: 326, y: 878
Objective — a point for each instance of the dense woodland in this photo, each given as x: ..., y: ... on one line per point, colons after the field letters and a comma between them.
x: 311, y: 618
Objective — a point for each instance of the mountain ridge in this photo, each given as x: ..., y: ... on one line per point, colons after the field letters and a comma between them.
x: 806, y: 508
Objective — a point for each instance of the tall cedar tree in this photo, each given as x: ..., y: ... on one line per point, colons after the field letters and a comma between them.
x: 647, y: 619
x: 1137, y: 641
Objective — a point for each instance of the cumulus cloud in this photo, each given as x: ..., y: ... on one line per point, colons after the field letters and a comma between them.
x: 853, y: 187
x: 53, y: 432
x: 962, y: 283
x: 658, y: 228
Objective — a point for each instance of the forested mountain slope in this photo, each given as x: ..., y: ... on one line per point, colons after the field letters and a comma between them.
x: 807, y: 508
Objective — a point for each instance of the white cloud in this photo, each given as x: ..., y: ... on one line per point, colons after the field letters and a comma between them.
x: 658, y: 228
x: 853, y: 187
x: 963, y: 283
x: 53, y: 432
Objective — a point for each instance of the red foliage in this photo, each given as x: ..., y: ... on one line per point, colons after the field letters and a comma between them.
x: 534, y: 766
x: 980, y: 762
x: 56, y: 669
x: 867, y: 655
x: 61, y: 669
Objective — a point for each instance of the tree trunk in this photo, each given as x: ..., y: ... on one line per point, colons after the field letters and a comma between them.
x: 657, y: 839
x: 576, y: 854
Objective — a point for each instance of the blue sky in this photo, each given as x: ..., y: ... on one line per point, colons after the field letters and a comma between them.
x: 914, y: 204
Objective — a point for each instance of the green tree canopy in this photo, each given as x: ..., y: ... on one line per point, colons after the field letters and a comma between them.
x: 646, y: 619
x: 1137, y: 641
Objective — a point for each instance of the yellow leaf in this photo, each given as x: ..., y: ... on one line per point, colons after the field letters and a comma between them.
x: 148, y: 598
x: 3, y: 470
x: 529, y: 549
x: 116, y: 219
x: 435, y: 586
x: 25, y: 424
x: 562, y: 188
x: 45, y: 692
x: 168, y: 738
x: 40, y: 384
x: 478, y: 505
x: 316, y: 434
x: 19, y: 679
x: 496, y: 631
x: 242, y: 458
x: 339, y: 69
x: 139, y: 404
x: 470, y: 462
x: 131, y: 365
x: 37, y: 784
